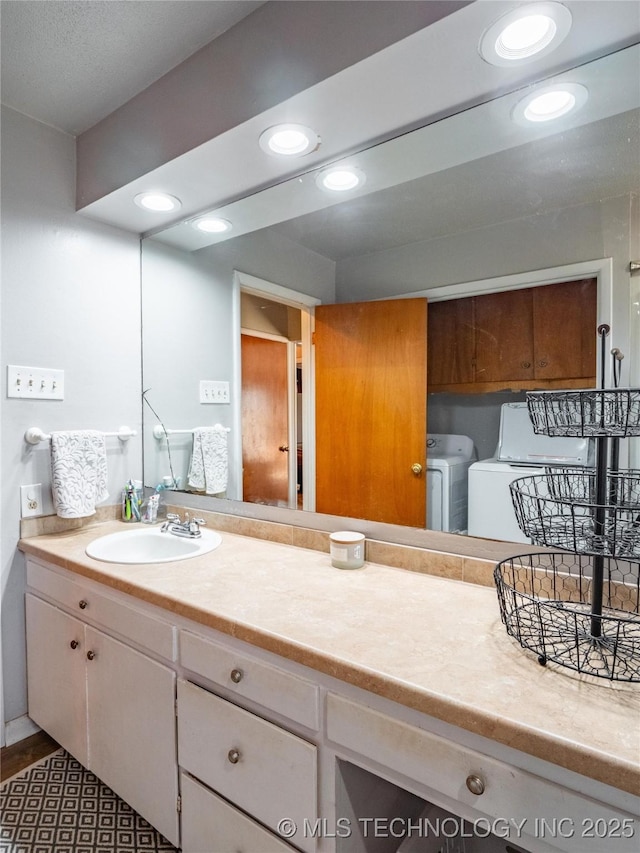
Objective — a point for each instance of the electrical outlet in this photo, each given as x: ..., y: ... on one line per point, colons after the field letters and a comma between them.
x: 31, y: 500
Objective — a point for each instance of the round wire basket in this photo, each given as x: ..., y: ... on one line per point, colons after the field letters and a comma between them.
x: 559, y: 510
x: 589, y: 413
x: 545, y: 605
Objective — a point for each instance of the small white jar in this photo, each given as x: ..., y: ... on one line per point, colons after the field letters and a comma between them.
x: 347, y: 549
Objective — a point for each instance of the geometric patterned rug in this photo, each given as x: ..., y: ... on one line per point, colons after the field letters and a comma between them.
x: 56, y: 806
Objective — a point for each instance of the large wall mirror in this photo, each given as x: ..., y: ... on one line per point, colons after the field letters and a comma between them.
x: 512, y: 226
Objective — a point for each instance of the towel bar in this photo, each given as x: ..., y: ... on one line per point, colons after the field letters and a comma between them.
x: 34, y: 435
x: 160, y: 432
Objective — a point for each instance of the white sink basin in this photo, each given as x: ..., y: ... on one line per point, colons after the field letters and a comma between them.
x: 150, y: 545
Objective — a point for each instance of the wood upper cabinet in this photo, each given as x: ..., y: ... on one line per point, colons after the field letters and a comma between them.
x: 451, y: 342
x: 504, y: 336
x: 537, y: 337
x: 564, y: 318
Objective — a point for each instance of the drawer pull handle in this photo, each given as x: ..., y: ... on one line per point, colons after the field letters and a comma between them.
x: 236, y: 675
x: 90, y: 655
x: 234, y: 756
x: 83, y: 604
x: 74, y: 644
x: 475, y: 784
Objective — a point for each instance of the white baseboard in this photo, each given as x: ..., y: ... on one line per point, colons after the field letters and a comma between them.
x: 19, y: 729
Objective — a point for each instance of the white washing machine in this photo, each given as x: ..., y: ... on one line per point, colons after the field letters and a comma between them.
x: 520, y: 453
x: 448, y: 461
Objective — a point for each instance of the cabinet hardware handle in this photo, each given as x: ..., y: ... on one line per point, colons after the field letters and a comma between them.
x: 283, y: 448
x: 234, y: 756
x: 416, y: 468
x: 90, y: 655
x: 543, y: 363
x: 74, y: 644
x: 525, y: 364
x: 83, y: 604
x: 236, y: 675
x: 475, y: 784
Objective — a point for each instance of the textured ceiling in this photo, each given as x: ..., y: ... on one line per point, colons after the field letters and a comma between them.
x: 70, y: 63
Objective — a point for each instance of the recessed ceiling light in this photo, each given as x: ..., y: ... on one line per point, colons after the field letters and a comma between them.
x: 157, y: 202
x: 525, y: 33
x: 550, y: 102
x: 340, y: 178
x: 289, y: 140
x: 212, y: 224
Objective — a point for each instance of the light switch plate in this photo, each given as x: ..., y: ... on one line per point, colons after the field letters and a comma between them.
x: 35, y: 383
x: 214, y: 391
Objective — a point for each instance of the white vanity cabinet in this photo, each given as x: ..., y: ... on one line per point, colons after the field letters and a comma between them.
x: 159, y: 705
x: 110, y: 705
x: 250, y: 765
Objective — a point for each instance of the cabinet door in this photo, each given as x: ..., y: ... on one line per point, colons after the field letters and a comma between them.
x: 504, y: 336
x: 56, y: 675
x: 132, y: 738
x: 451, y: 342
x: 564, y: 317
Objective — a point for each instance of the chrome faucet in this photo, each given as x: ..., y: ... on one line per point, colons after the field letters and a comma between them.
x: 189, y: 528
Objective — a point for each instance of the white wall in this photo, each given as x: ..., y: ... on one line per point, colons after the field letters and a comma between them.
x: 189, y: 333
x: 70, y: 300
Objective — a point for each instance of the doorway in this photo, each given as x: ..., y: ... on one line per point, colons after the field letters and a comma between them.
x: 275, y: 410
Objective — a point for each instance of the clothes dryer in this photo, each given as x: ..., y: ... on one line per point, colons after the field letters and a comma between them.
x: 520, y: 453
x: 448, y: 461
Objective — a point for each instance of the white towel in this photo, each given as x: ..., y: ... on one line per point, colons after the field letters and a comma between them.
x: 78, y: 472
x: 209, y: 465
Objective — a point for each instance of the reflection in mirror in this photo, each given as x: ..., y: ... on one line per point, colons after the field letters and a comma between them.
x: 477, y: 214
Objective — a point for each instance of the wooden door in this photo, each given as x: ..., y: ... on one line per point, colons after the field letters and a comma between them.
x: 371, y: 410
x: 504, y: 336
x: 451, y: 342
x: 564, y: 317
x: 56, y: 675
x: 132, y: 729
x: 265, y: 421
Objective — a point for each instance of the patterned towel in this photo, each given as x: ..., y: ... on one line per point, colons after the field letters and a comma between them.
x: 209, y: 465
x: 78, y: 472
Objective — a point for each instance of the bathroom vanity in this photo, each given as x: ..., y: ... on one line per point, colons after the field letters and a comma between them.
x: 257, y: 699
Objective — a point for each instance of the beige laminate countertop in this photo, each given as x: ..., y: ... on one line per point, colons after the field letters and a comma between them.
x: 432, y: 644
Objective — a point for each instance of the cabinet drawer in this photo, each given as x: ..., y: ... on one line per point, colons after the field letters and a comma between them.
x: 211, y: 823
x: 445, y: 766
x: 261, y: 768
x: 287, y: 694
x: 130, y: 623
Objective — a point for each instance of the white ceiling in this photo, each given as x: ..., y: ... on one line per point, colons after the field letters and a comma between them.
x: 70, y: 63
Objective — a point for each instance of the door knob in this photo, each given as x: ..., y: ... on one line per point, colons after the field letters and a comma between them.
x: 283, y: 448
x: 90, y: 655
x: 416, y: 468
x: 234, y: 756
x: 74, y: 644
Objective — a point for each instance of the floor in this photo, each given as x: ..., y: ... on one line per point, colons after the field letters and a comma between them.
x: 49, y: 803
x: 15, y: 758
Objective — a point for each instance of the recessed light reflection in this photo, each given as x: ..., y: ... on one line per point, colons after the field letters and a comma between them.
x: 157, y: 201
x: 340, y: 178
x: 212, y: 225
x: 550, y: 102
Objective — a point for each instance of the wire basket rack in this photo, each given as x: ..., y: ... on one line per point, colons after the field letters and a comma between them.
x: 593, y: 412
x: 546, y: 605
x: 560, y: 509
